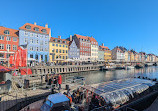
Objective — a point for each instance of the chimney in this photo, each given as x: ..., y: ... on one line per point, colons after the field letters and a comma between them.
x: 46, y: 26
x: 34, y: 23
x: 59, y: 37
x: 70, y: 37
x: 102, y: 44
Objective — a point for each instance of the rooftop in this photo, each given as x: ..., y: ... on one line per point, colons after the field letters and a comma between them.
x: 31, y: 27
x: 12, y: 32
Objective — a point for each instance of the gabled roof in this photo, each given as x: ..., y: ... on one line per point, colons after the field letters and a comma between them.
x: 104, y: 47
x: 52, y: 39
x: 92, y: 40
x: 33, y: 26
x: 81, y: 36
x: 13, y: 32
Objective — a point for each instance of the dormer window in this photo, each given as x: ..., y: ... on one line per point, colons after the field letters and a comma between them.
x: 28, y: 27
x: 64, y: 42
x: 6, y: 32
x: 36, y: 29
x: 55, y: 40
x: 44, y: 30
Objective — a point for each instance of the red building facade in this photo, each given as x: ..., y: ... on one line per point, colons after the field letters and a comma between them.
x: 9, y: 42
x: 84, y: 45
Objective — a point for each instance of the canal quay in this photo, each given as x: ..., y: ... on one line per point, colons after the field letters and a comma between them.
x: 21, y: 97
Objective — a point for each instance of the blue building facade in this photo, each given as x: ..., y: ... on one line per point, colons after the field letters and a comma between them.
x: 74, y: 51
x: 101, y: 55
x: 37, y: 40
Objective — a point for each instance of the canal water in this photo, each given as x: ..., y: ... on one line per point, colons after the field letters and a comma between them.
x: 93, y: 77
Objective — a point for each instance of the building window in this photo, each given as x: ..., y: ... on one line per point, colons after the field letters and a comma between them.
x: 52, y: 50
x: 46, y: 49
x: 36, y: 57
x: 41, y: 36
x: 36, y: 48
x: 53, y: 45
x: 14, y: 47
x: 28, y: 27
x: 41, y: 57
x: 2, y: 55
x: 31, y: 48
x: 31, y: 40
x: 56, y: 57
x: 56, y: 45
x: 36, y: 29
x: 56, y: 50
x: 66, y: 57
x: 63, y: 51
x: 66, y: 46
x: 44, y: 30
x: 14, y: 39
x: 8, y: 38
x: 63, y: 57
x: 63, y: 45
x: 45, y: 37
x: 66, y: 51
x: 37, y: 41
x: 1, y: 46
x: 1, y: 37
x: 31, y: 56
x: 6, y: 32
x: 25, y: 40
x: 41, y: 49
x: 8, y: 46
x: 8, y: 55
x: 59, y: 45
x: 45, y: 42
x: 60, y: 51
x: 31, y: 34
x: 26, y: 33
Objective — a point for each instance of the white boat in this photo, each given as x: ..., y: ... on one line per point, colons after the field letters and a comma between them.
x: 130, y: 67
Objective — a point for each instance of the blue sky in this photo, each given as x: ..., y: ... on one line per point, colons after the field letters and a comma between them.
x: 129, y: 23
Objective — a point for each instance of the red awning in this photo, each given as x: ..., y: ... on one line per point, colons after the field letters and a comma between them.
x: 4, y: 69
x: 25, y: 71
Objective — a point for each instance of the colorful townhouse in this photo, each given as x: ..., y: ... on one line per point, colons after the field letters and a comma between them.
x: 9, y: 41
x: 100, y: 54
x: 127, y: 56
x: 84, y: 44
x: 131, y: 52
x: 136, y: 56
x: 142, y: 56
x: 74, y: 50
x: 58, y: 49
x: 94, y: 49
x: 118, y: 54
x: 36, y: 38
x: 156, y: 58
x: 107, y: 53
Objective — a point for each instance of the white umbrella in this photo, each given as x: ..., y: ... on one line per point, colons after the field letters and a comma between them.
x: 31, y: 59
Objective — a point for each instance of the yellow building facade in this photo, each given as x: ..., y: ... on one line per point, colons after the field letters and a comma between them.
x: 58, y: 50
x: 126, y: 56
x: 107, y: 55
x: 131, y: 56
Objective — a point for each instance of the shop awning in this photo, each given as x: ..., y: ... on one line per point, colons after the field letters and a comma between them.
x: 4, y: 69
x: 26, y: 71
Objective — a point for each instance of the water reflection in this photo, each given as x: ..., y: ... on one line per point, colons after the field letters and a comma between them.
x: 103, y: 76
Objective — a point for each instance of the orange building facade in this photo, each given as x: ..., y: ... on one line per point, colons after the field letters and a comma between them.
x: 9, y: 41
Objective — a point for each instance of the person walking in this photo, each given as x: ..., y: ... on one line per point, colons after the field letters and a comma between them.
x: 59, y: 81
